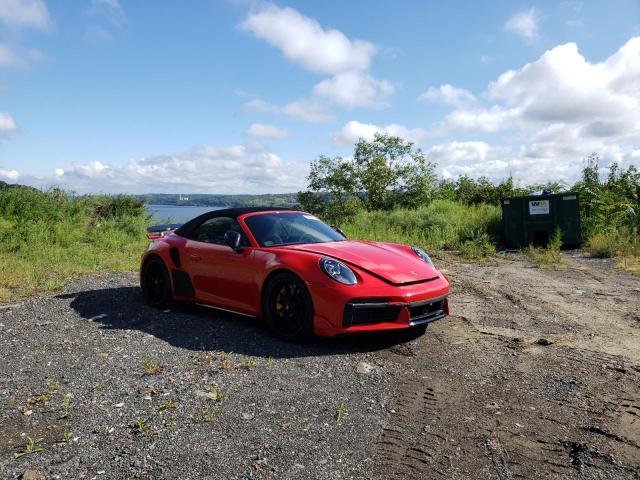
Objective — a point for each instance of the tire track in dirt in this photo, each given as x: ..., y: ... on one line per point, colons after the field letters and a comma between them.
x: 481, y: 398
x: 401, y: 450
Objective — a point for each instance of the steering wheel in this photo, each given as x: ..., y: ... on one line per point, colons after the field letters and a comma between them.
x: 273, y: 240
x: 307, y: 238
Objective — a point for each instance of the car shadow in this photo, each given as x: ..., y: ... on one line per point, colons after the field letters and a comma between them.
x: 199, y: 328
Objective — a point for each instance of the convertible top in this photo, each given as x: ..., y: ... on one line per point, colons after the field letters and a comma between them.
x: 186, y: 229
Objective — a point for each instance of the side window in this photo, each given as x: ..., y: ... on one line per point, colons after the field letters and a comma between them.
x: 213, y: 230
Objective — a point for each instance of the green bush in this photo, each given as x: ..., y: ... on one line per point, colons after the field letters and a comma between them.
x: 48, y: 237
x: 441, y: 225
x: 623, y: 242
x: 548, y: 257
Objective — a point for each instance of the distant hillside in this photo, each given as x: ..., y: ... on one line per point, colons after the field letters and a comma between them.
x: 206, y: 200
x: 5, y: 185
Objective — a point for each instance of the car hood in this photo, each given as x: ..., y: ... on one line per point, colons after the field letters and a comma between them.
x: 394, y: 263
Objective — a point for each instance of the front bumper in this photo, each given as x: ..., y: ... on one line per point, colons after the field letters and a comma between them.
x: 344, y: 311
x: 376, y: 311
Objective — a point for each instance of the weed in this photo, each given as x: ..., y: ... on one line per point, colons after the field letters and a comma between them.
x: 623, y: 242
x: 341, y: 412
x: 168, y: 423
x: 549, y: 257
x: 100, y: 430
x: 151, y: 390
x: 39, y: 399
x: 269, y: 361
x: 168, y: 404
x: 208, y: 415
x: 225, y: 363
x: 441, y: 225
x: 66, y: 406
x: 602, y: 245
x: 53, y: 386
x: 212, y: 388
x: 32, y: 446
x: 141, y: 427
x: 150, y: 368
x: 46, y: 238
x: 67, y: 437
x: 247, y: 364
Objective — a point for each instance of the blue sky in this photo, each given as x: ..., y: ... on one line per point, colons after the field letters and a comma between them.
x: 227, y: 96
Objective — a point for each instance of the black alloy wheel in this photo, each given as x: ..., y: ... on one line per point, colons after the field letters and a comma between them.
x: 156, y: 286
x: 288, y: 309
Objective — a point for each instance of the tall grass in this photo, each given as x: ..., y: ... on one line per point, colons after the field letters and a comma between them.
x: 442, y: 225
x: 46, y: 238
x: 549, y: 256
x: 623, y: 243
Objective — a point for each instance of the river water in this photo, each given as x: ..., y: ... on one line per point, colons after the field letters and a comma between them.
x: 177, y: 213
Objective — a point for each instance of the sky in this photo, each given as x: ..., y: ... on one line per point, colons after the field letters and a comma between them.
x: 233, y: 96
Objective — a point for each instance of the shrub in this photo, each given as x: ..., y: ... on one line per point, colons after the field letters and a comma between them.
x: 48, y: 237
x: 550, y: 256
x: 441, y: 225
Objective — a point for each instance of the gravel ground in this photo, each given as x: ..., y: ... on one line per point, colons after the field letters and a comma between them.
x: 219, y: 397
x: 536, y: 375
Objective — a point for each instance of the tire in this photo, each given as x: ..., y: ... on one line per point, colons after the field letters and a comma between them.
x: 287, y: 308
x: 156, y: 284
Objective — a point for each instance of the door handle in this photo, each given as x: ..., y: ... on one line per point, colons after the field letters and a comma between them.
x: 195, y: 258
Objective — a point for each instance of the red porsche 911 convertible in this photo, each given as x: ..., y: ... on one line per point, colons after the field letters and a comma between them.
x: 294, y: 271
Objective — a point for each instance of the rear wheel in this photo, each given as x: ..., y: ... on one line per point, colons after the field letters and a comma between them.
x: 156, y: 285
x: 287, y: 308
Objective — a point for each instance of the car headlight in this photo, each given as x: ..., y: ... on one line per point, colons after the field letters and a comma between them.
x: 338, y: 271
x: 423, y: 255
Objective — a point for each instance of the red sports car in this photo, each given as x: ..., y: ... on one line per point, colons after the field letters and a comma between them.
x: 300, y: 275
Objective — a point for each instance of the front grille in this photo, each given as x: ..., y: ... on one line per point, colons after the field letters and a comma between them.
x: 425, y: 310
x: 365, y: 311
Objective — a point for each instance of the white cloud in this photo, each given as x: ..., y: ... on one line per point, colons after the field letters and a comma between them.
x: 7, y: 123
x: 354, y: 89
x: 555, y: 111
x: 97, y: 34
x: 449, y: 95
x: 327, y: 51
x: 109, y: 10
x: 267, y: 131
x: 524, y: 23
x: 17, y: 14
x: 206, y: 169
x: 9, y: 174
x: 562, y: 87
x: 304, y: 41
x: 106, y: 16
x: 10, y: 58
x: 260, y: 105
x: 353, y: 131
x: 311, y: 111
x: 480, y: 120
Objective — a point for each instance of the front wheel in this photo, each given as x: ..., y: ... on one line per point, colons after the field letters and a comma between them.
x: 287, y: 308
x: 156, y: 285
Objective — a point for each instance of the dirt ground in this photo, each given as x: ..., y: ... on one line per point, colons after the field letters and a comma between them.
x: 535, y: 375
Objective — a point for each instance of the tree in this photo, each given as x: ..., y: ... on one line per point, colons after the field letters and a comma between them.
x: 391, y: 171
x: 609, y: 204
x: 382, y: 174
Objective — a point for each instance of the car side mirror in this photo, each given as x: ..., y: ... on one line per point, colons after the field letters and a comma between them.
x: 337, y: 229
x: 233, y: 239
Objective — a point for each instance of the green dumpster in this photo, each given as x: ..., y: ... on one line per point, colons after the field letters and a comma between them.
x: 534, y: 219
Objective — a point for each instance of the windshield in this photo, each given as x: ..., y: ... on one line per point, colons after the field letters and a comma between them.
x: 273, y: 229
